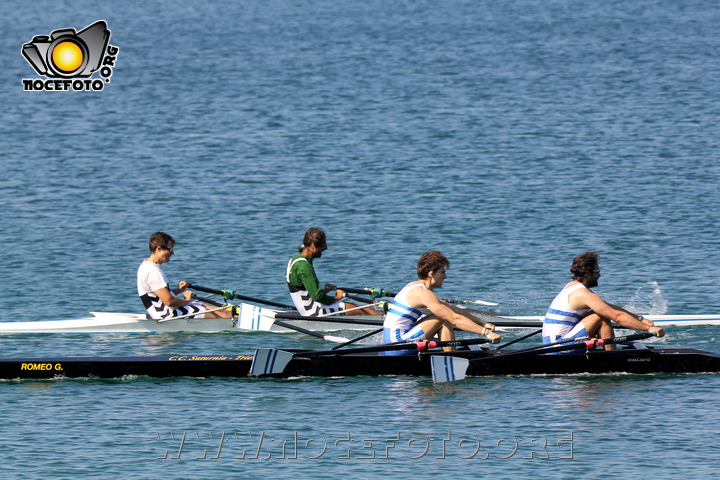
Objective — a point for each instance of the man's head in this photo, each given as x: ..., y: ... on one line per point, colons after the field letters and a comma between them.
x: 314, y: 236
x: 161, y: 239
x: 585, y: 269
x: 431, y: 262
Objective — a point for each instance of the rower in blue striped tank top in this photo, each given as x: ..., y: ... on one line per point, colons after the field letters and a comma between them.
x: 416, y: 313
x: 578, y: 312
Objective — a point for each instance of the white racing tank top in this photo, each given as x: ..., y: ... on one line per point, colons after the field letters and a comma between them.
x: 560, y: 318
x: 400, y: 315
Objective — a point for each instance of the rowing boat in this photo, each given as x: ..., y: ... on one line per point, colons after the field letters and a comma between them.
x: 259, y: 318
x: 632, y: 359
x: 107, y: 322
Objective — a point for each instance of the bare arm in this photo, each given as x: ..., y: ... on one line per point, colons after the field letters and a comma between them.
x: 646, y: 321
x: 465, y: 313
x: 460, y: 318
x: 586, y: 299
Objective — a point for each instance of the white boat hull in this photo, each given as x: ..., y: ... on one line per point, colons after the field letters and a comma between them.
x: 104, y: 322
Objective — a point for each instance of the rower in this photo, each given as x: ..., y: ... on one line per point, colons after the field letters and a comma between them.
x: 416, y: 313
x: 153, y: 287
x: 578, y: 312
x: 309, y: 297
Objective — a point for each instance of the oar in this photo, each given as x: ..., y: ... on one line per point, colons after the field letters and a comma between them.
x: 519, y: 339
x: 369, y: 321
x: 232, y: 294
x: 572, y: 341
x: 348, y: 320
x: 373, y: 292
x: 459, y: 365
x: 271, y: 361
x: 265, y: 326
x: 354, y: 309
x: 483, y: 312
x: 379, y: 292
x: 359, y: 299
x: 357, y: 339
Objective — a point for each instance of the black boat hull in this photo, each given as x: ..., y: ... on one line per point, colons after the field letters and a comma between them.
x: 483, y: 363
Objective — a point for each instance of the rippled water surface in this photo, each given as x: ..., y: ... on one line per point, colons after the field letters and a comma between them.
x: 509, y: 135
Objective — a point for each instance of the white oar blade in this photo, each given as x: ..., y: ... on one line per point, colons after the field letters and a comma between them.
x: 448, y: 369
x: 269, y: 361
x: 331, y: 338
x: 253, y: 317
x: 483, y: 302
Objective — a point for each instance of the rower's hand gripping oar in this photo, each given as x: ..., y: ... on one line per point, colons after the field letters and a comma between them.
x: 271, y: 361
x: 379, y: 293
x: 458, y: 366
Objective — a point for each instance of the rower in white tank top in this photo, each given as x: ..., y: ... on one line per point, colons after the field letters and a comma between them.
x: 401, y: 320
x: 561, y: 321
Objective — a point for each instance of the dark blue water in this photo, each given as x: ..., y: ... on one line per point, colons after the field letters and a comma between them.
x: 509, y: 135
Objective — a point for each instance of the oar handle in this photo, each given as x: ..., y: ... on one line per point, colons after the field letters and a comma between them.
x: 214, y: 291
x: 373, y: 292
x: 232, y: 294
x: 627, y: 338
x: 585, y: 344
x: 420, y: 346
x: 379, y: 292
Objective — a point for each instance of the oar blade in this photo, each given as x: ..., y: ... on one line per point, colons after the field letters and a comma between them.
x: 331, y: 338
x: 448, y: 369
x: 483, y: 302
x: 253, y: 317
x: 269, y: 361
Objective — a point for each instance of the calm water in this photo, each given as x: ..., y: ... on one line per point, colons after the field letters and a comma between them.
x: 510, y: 135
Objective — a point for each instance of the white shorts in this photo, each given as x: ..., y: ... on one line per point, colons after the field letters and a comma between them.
x: 392, y: 335
x: 577, y: 331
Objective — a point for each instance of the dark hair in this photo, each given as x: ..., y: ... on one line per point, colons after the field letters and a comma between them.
x: 313, y: 235
x: 160, y: 239
x: 583, y: 264
x: 431, y: 262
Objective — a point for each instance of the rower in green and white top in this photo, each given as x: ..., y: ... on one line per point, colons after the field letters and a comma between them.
x: 309, y: 297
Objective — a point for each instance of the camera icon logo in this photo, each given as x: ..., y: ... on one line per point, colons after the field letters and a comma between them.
x: 66, y: 53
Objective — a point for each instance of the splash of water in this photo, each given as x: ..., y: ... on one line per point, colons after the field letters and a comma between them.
x: 649, y: 300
